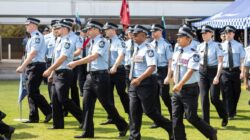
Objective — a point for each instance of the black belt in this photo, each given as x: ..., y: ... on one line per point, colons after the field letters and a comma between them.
x: 35, y: 63
x: 231, y: 69
x: 119, y: 67
x: 209, y: 67
x: 190, y: 85
x: 62, y: 71
x: 98, y: 72
x: 162, y: 67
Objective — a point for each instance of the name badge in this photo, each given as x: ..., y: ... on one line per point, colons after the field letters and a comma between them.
x: 138, y: 59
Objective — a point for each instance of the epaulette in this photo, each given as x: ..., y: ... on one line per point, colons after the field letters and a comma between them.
x: 148, y: 46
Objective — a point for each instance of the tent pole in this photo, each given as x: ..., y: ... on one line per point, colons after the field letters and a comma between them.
x: 245, y: 37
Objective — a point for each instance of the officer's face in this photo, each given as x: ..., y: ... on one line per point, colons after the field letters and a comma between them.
x: 156, y: 34
x: 230, y: 35
x: 92, y: 32
x: 109, y: 33
x: 183, y: 41
x: 139, y: 37
x: 29, y: 27
x: 206, y: 36
x: 222, y: 37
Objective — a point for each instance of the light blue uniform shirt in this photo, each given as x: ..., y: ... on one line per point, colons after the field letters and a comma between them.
x: 144, y: 58
x: 64, y: 47
x: 247, y: 58
x: 189, y: 60
x: 214, y: 51
x: 50, y: 42
x: 117, y: 48
x: 36, y: 43
x: 129, y: 53
x: 100, y: 46
x: 76, y: 42
x: 163, y: 52
x: 237, y: 50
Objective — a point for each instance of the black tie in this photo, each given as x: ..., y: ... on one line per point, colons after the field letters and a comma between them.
x: 84, y: 50
x: 205, y: 62
x: 132, y: 48
x: 230, y: 55
x: 156, y: 45
x: 109, y: 53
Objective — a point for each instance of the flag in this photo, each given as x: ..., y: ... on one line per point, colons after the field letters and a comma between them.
x: 77, y: 19
x: 124, y: 15
x: 163, y: 23
x: 22, y: 88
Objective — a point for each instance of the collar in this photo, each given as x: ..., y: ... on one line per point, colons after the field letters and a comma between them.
x: 33, y: 33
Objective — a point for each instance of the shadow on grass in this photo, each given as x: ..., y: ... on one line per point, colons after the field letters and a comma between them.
x: 24, y: 135
x: 234, y: 128
x: 22, y: 126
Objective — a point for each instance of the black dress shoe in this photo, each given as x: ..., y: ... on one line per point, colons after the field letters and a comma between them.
x: 224, y: 122
x: 154, y: 126
x: 9, y: 134
x: 2, y: 116
x: 48, y: 118
x: 84, y: 136
x: 31, y: 121
x: 123, y: 132
x: 249, y: 102
x: 107, y: 122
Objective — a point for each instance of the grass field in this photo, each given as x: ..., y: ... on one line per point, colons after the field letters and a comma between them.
x: 238, y: 129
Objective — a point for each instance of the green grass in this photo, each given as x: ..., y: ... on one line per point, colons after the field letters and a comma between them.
x: 238, y: 129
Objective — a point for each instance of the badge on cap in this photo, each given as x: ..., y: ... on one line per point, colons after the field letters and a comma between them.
x: 101, y: 44
x: 196, y: 58
x: 67, y: 45
x: 37, y: 40
x: 150, y: 53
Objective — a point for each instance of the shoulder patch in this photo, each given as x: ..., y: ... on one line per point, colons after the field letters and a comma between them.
x: 101, y: 44
x: 196, y: 58
x: 37, y: 40
x: 150, y: 53
x: 67, y: 45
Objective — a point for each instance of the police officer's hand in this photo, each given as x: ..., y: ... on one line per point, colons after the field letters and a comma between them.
x: 216, y: 80
x: 50, y: 78
x: 72, y: 65
x: 47, y: 73
x: 241, y: 75
x: 113, y: 70
x: 177, y: 88
x: 136, y: 82
x: 167, y: 80
x: 20, y: 69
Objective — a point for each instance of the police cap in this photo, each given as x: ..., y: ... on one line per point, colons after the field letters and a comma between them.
x: 156, y: 27
x: 207, y: 28
x: 185, y: 31
x: 139, y: 28
x: 32, y: 20
x: 229, y: 28
x: 94, y: 24
x: 109, y: 25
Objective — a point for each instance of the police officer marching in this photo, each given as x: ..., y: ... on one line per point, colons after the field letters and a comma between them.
x: 164, y: 61
x: 232, y: 72
x: 116, y: 54
x: 186, y: 90
x: 50, y: 42
x: 62, y: 76
x: 210, y: 70
x: 34, y: 64
x: 142, y: 90
x: 97, y: 82
x: 130, y: 45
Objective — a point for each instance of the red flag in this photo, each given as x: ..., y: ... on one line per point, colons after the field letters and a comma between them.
x: 85, y: 43
x: 124, y: 13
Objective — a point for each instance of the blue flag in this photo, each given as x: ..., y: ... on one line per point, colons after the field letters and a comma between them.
x: 77, y: 19
x: 163, y: 23
x: 22, y: 88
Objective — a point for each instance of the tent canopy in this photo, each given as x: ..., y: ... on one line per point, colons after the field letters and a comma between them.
x: 236, y: 14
